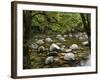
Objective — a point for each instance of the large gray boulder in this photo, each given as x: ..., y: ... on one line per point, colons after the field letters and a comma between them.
x: 49, y: 60
x: 69, y: 56
x: 54, y: 47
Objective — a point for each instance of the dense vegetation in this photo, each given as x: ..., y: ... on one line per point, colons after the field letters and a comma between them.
x: 38, y: 24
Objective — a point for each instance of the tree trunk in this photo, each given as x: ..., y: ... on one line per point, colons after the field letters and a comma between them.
x: 86, y: 22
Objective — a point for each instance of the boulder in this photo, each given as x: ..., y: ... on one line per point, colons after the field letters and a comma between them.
x: 74, y: 47
x: 65, y: 36
x: 62, y: 47
x: 49, y: 60
x: 70, y: 35
x: 62, y: 39
x: 85, y: 36
x: 40, y: 42
x: 76, y: 35
x: 34, y: 46
x: 85, y: 43
x: 81, y: 38
x: 59, y: 44
x: 48, y: 39
x: 69, y: 56
x: 54, y: 47
x: 68, y: 50
x: 41, y: 49
x: 58, y: 36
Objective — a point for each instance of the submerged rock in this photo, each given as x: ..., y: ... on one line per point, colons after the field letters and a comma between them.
x: 40, y: 42
x: 49, y: 60
x: 74, y: 46
x: 54, y: 47
x: 69, y: 56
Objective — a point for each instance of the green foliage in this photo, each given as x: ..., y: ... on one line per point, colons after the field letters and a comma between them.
x: 62, y: 22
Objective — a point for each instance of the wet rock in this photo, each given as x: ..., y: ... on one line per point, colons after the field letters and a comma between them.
x: 74, y: 47
x: 68, y: 50
x: 69, y: 56
x: 70, y: 35
x: 58, y: 36
x: 81, y: 38
x: 63, y: 48
x: 34, y: 46
x: 40, y: 42
x: 85, y: 35
x: 41, y: 49
x: 65, y: 36
x: 54, y: 47
x: 62, y: 39
x: 48, y: 40
x: 59, y: 44
x: 85, y: 43
x: 49, y: 60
